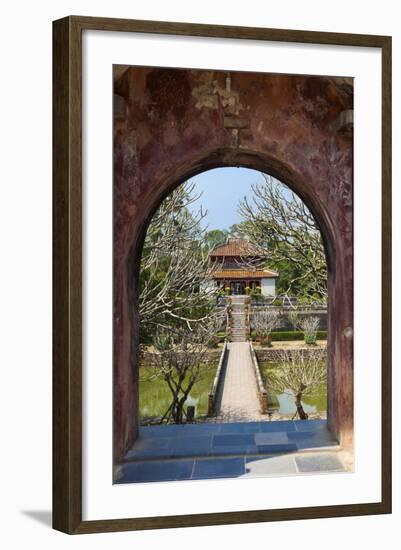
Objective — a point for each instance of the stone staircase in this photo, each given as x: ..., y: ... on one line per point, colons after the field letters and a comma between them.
x: 239, y: 329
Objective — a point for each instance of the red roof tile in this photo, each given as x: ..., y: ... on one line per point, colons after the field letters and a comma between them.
x: 242, y: 274
x: 235, y: 247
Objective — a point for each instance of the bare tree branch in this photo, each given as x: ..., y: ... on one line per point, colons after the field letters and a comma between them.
x: 264, y: 321
x: 298, y: 374
x: 279, y: 223
x: 179, y: 358
x: 174, y: 263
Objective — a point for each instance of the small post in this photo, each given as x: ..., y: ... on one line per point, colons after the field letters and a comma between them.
x: 210, y: 405
x: 264, y: 402
x: 190, y: 413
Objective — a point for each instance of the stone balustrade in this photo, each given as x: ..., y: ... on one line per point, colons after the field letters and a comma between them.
x: 262, y: 392
x: 211, y: 409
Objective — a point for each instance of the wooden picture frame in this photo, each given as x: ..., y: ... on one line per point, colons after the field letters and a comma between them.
x: 67, y: 273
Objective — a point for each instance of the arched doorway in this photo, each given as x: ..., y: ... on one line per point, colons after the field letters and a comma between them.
x: 325, y: 189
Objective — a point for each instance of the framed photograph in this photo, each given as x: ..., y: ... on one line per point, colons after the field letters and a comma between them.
x: 222, y: 275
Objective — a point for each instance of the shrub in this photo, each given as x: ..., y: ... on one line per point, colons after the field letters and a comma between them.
x: 310, y: 339
x: 286, y: 336
x: 264, y: 322
x: 213, y: 342
x: 256, y: 291
x: 309, y: 326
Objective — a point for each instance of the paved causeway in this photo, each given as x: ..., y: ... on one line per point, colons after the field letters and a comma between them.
x: 238, y: 400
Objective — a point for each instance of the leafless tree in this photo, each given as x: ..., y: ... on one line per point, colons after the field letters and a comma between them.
x: 293, y: 317
x: 308, y: 324
x: 174, y: 263
x: 298, y: 374
x: 179, y: 357
x: 280, y: 224
x: 264, y: 321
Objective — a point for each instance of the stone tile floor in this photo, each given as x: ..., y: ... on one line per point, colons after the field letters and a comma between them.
x: 210, y: 451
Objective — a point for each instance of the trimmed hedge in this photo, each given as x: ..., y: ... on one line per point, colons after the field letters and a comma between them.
x: 295, y: 335
x: 286, y: 336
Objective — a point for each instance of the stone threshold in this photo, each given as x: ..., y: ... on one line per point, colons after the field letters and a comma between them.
x: 239, y: 467
x: 247, y: 439
x: 328, y: 449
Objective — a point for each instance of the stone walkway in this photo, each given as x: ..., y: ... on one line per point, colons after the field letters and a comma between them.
x: 238, y: 400
x: 252, y: 449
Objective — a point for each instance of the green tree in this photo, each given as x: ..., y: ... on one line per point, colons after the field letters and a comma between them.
x: 215, y: 237
x: 239, y: 230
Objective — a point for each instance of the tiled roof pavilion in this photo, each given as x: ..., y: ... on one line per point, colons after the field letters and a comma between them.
x: 235, y: 266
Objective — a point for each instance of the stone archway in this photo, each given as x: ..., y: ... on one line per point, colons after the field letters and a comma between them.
x: 283, y: 125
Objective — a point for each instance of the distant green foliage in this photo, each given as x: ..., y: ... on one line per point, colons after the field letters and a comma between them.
x: 240, y: 230
x: 286, y: 336
x: 215, y: 237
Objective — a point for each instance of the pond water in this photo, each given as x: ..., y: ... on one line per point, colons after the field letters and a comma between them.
x: 313, y: 403
x: 155, y: 396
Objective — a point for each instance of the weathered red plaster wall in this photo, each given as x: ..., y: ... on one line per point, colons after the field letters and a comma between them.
x: 171, y: 124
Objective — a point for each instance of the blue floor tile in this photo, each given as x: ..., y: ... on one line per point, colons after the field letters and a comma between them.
x: 141, y: 454
x: 319, y: 463
x: 217, y: 468
x: 137, y: 472
x: 308, y: 440
x: 179, y: 430
x: 277, y: 426
x: 240, y: 428
x: 310, y: 425
x: 272, y: 438
x: 222, y: 450
x: 190, y: 446
x: 199, y: 429
x: 296, y: 436
x: 152, y: 443
x: 273, y: 449
x: 230, y: 440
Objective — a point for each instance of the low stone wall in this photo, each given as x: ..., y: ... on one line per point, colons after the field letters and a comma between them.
x: 211, y: 357
x: 284, y: 323
x: 265, y: 355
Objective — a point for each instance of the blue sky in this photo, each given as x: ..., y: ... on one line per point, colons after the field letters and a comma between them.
x: 222, y: 190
